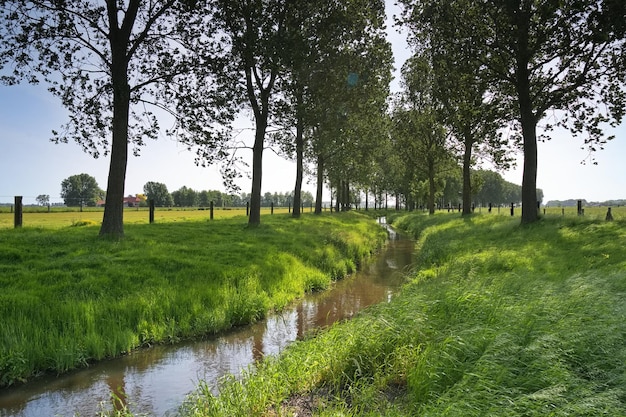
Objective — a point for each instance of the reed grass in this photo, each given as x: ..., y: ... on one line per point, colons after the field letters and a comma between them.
x: 499, y: 320
x: 68, y: 297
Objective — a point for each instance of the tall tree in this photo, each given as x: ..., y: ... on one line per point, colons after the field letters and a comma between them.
x: 551, y: 55
x: 110, y: 63
x: 348, y: 95
x: 253, y: 52
x: 455, y: 68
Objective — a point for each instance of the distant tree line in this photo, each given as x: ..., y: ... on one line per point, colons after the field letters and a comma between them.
x: 83, y: 190
x: 188, y: 197
x: 488, y: 187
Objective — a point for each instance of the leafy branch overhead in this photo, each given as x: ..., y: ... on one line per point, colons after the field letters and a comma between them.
x: 119, y: 68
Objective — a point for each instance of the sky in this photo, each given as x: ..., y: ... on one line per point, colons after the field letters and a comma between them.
x: 31, y: 165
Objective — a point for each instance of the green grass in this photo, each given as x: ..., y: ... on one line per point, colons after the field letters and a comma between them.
x: 498, y: 320
x: 60, y: 217
x: 68, y: 297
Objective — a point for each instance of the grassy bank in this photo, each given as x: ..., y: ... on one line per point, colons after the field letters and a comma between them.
x: 68, y: 297
x: 499, y: 320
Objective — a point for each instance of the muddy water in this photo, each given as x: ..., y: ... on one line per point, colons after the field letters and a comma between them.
x: 156, y: 380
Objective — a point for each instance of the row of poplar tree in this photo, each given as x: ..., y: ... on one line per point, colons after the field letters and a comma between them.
x: 315, y: 76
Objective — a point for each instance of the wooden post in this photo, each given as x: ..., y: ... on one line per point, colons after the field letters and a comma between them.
x: 211, y: 208
x: 289, y: 207
x: 247, y: 208
x: 562, y: 211
x: 512, y: 209
x: 272, y: 207
x: 151, y: 216
x: 579, y: 204
x: 18, y: 212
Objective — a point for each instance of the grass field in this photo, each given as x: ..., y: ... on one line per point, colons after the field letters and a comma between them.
x: 68, y: 297
x: 58, y: 218
x: 63, y: 217
x: 498, y: 320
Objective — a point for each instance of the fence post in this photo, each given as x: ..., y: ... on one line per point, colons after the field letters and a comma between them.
x: 579, y: 205
x: 247, y: 208
x: 211, y: 209
x: 512, y: 209
x: 272, y: 207
x: 17, y: 218
x: 151, y: 204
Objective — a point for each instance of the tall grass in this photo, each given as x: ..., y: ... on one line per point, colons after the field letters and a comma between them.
x: 68, y: 297
x: 499, y: 320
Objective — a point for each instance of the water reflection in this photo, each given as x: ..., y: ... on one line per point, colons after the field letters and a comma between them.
x: 156, y: 380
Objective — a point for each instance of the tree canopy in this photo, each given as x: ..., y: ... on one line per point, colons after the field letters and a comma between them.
x: 117, y: 67
x: 81, y: 190
x: 541, y: 56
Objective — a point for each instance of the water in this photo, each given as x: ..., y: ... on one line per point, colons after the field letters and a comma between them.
x: 156, y: 380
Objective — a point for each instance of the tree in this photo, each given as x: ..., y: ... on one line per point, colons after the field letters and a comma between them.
x: 185, y: 197
x: 421, y: 141
x: 43, y: 199
x: 81, y: 189
x: 158, y: 192
x: 109, y: 64
x: 564, y: 56
x: 458, y: 88
x: 251, y: 57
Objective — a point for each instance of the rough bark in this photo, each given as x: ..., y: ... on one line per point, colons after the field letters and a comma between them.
x: 528, y: 121
x: 113, y: 219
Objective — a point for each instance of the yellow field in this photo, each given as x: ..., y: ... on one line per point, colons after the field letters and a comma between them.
x: 59, y: 219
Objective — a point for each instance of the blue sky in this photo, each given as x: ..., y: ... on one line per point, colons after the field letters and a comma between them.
x: 31, y: 165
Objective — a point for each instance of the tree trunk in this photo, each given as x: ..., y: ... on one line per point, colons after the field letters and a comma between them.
x: 297, y: 192
x: 528, y: 119
x: 257, y: 171
x: 467, y: 180
x: 431, y: 188
x: 320, y: 185
x: 113, y: 219
x: 529, y: 178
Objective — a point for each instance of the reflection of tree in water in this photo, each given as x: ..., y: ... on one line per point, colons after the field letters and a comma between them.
x: 117, y: 388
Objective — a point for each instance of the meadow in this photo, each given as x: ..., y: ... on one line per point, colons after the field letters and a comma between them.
x: 60, y: 217
x: 68, y: 297
x: 498, y: 319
